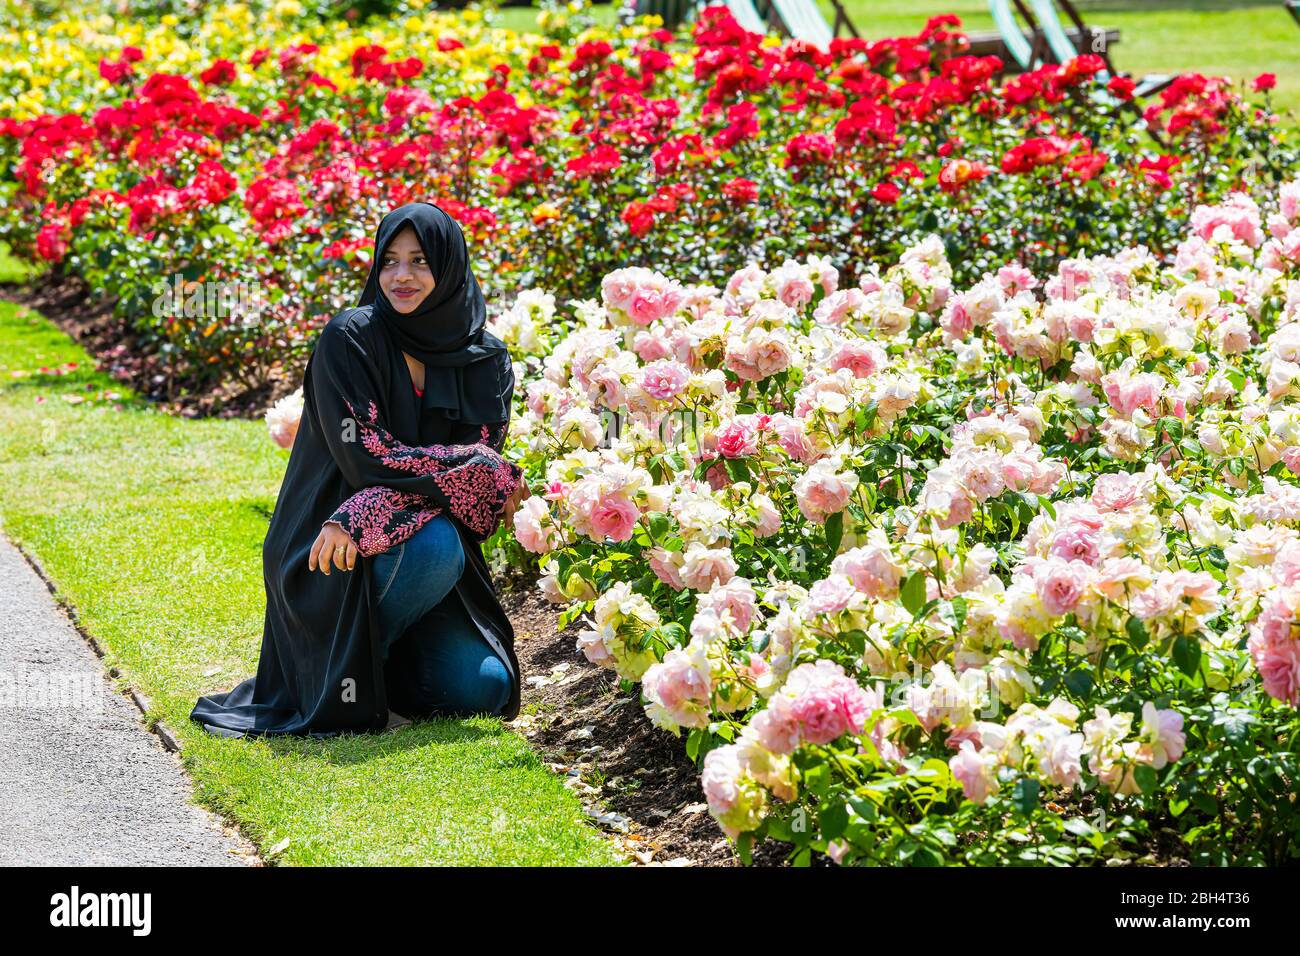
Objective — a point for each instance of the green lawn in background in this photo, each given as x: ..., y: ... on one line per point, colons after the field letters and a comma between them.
x: 151, y: 527
x: 1236, y: 38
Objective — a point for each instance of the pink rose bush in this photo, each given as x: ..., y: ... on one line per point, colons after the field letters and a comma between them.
x: 900, y: 557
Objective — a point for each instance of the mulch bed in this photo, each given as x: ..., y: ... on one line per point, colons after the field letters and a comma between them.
x: 88, y: 319
x: 643, y: 786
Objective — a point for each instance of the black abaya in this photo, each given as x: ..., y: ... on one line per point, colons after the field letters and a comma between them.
x: 382, y: 462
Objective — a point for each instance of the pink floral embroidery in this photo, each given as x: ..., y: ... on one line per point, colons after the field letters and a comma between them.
x: 475, y: 479
x: 379, y: 518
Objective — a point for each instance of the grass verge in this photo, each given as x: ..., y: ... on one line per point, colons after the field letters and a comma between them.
x: 151, y: 528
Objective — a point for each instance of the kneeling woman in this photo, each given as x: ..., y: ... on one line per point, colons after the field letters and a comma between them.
x: 379, y: 603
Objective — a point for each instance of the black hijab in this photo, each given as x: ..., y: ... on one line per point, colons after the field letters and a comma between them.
x: 467, y: 368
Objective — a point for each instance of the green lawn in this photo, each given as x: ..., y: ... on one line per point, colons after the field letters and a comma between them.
x: 151, y: 527
x: 1223, y: 37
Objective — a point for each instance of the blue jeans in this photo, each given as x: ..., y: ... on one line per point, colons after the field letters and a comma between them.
x: 438, y: 662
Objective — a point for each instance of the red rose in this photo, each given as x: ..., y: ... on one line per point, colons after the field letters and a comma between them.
x: 887, y: 193
x: 1264, y: 82
x: 1121, y: 87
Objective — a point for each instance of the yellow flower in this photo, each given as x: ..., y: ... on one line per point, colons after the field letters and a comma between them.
x: 545, y: 211
x: 288, y: 8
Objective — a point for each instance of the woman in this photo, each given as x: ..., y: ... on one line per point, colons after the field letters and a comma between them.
x: 397, y: 461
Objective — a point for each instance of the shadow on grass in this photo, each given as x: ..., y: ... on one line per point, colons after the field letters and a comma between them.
x: 347, y: 749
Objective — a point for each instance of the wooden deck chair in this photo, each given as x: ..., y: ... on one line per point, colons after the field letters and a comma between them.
x: 1028, y: 55
x: 1062, y: 49
x: 802, y: 19
x: 746, y: 15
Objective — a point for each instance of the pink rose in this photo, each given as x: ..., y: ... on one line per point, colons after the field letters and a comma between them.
x: 613, y: 517
x: 822, y: 491
x: 534, y: 527
x: 664, y: 380
x: 737, y: 439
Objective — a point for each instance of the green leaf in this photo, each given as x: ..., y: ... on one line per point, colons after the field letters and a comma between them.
x: 1025, y: 795
x: 1205, y: 803
x: 1187, y: 654
x: 1079, y: 681
x: 833, y: 820
x: 693, y: 741
x: 1137, y: 632
x: 834, y: 531
x: 744, y: 844
x: 1145, y: 777
x: 912, y: 592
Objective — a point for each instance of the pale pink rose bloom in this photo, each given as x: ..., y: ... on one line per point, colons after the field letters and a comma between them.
x: 1291, y: 458
x: 982, y: 474
x: 1118, y: 576
x: 1277, y: 658
x: 550, y: 588
x: 974, y: 773
x: 716, y: 476
x: 1015, y: 278
x: 283, y: 417
x: 1127, y: 392
x: 860, y: 358
x: 956, y: 319
x: 836, y: 850
x: 719, y: 778
x: 819, y: 714
x: 1119, y: 491
x: 793, y: 287
x: 829, y: 710
x: 791, y: 434
x: 736, y: 596
x: 1082, y: 325
x: 1163, y: 730
x: 535, y: 397
x: 1286, y: 564
x: 648, y: 303
x: 534, y: 527
x: 664, y: 380
x: 832, y: 595
x: 613, y: 516
x: 593, y: 648
x: 776, y: 728
x: 1077, y: 541
x: 769, y: 518
x: 651, y: 346
x: 873, y: 570
x: 759, y: 354
x: 664, y: 569
x: 1061, y: 584
x: 705, y: 567
x: 822, y: 491
x: 681, y: 687
x: 836, y: 307
x: 1237, y: 216
x: 960, y: 735
x: 1061, y: 762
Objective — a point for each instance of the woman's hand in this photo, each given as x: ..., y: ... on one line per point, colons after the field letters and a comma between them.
x: 515, y: 499
x: 332, y: 545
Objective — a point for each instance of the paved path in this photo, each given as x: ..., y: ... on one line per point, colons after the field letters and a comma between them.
x: 82, y: 782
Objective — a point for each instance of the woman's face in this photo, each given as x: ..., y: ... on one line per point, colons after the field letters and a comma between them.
x: 405, y: 274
